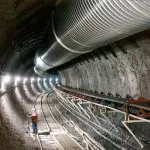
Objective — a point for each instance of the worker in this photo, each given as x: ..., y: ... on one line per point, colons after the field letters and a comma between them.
x: 34, y: 118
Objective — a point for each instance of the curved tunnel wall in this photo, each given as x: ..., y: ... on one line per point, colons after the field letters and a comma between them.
x: 126, y: 73
x: 23, y: 28
x: 16, y: 103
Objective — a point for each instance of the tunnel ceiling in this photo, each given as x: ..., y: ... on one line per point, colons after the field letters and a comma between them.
x: 23, y: 30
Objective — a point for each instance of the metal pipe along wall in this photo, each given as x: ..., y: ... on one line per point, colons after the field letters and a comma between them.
x: 80, y: 26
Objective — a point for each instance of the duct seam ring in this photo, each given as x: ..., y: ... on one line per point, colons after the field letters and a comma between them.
x: 64, y: 46
x: 43, y: 62
x: 82, y: 44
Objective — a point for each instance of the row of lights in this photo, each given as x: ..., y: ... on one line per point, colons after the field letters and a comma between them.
x: 8, y: 78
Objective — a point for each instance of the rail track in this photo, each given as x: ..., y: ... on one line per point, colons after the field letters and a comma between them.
x: 87, y: 142
x: 65, y: 123
x: 44, y: 136
x: 69, y: 120
x: 51, y: 135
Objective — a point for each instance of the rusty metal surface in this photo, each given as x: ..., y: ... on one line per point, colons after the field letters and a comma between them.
x: 135, y: 108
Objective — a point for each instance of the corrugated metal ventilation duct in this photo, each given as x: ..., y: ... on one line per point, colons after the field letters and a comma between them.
x: 80, y: 26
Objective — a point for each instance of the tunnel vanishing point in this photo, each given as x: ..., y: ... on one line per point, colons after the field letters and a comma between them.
x: 83, y: 65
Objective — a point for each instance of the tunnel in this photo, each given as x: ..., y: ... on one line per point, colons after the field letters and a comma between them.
x: 83, y: 66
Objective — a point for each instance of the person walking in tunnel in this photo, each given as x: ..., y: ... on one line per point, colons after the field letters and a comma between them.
x: 34, y: 118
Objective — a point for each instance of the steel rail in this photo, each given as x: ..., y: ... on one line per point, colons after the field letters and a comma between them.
x: 84, y: 119
x: 61, y: 126
x: 46, y: 122
x: 39, y: 139
x: 36, y: 100
x: 81, y: 119
x: 80, y: 132
x: 38, y: 136
x: 52, y: 114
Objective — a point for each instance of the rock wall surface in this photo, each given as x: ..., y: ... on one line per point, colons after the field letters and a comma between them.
x: 16, y: 104
x: 120, y: 68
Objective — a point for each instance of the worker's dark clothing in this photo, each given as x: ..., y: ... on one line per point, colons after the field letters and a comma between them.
x: 34, y: 119
x: 34, y: 127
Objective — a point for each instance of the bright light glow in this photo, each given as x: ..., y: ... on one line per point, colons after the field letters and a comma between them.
x: 34, y: 89
x: 39, y: 85
x: 45, y: 84
x: 50, y: 79
x: 39, y: 79
x: 6, y: 78
x: 3, y: 88
x: 17, y: 79
x: 56, y: 79
x: 25, y: 80
x: 40, y: 63
x: 32, y: 79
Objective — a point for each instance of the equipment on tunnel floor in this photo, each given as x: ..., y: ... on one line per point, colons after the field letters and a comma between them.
x: 140, y: 112
x: 70, y: 100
